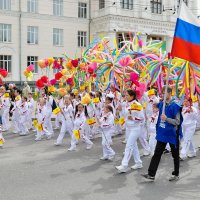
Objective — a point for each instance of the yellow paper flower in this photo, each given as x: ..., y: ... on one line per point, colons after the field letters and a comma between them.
x: 51, y: 89
x: 86, y: 100
x: 50, y: 61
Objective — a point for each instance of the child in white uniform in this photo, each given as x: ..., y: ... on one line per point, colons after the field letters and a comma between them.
x: 107, y: 124
x: 15, y: 110
x: 134, y: 120
x: 152, y: 129
x: 31, y: 107
x: 67, y: 113
x: 23, y: 117
x: 5, y: 111
x: 79, y: 125
x: 2, y: 140
x: 189, y: 114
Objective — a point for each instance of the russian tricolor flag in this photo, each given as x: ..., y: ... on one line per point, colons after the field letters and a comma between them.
x: 186, y: 44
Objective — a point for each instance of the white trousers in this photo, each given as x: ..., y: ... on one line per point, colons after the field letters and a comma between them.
x: 29, y: 119
x: 66, y: 127
x: 15, y: 119
x: 106, y: 142
x: 131, y: 148
x: 5, y: 120
x: 152, y: 141
x: 48, y: 124
x: 23, y: 124
x: 188, y: 143
x: 84, y: 137
x: 58, y: 120
x: 143, y: 139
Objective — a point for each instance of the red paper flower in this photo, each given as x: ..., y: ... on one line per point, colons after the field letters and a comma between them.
x: 53, y: 81
x: 44, y: 79
x: 3, y: 73
x: 74, y: 63
x: 39, y: 84
x: 58, y: 76
x: 70, y: 81
x: 90, y: 70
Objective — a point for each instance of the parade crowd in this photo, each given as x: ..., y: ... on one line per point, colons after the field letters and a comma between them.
x: 85, y: 114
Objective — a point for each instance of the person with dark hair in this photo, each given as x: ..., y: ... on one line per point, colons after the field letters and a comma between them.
x: 16, y: 110
x: 79, y: 127
x: 23, y: 117
x: 167, y: 131
x: 134, y: 121
x: 67, y: 114
x: 106, y: 123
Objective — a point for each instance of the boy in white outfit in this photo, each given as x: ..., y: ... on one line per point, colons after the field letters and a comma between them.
x: 23, y: 111
x: 67, y: 113
x: 5, y: 107
x: 189, y: 114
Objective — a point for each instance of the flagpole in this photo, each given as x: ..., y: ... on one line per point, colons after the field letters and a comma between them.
x: 162, y: 124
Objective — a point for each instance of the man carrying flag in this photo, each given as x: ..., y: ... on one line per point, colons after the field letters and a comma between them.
x: 186, y: 45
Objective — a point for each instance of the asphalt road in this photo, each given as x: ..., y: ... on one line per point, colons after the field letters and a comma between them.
x: 40, y: 171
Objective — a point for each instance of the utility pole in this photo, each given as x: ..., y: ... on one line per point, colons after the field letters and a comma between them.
x: 90, y: 20
x: 20, y: 43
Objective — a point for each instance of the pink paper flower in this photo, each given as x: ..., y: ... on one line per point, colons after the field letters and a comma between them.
x: 125, y: 61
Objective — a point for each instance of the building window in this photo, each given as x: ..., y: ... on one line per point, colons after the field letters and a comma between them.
x: 82, y: 10
x: 179, y: 1
x: 60, y: 61
x: 32, y: 6
x: 121, y: 37
x: 82, y: 39
x: 126, y: 4
x: 32, y: 35
x: 33, y: 60
x: 58, y: 7
x: 5, y: 32
x: 154, y: 37
x: 156, y: 6
x: 57, y: 37
x: 101, y: 4
x: 6, y: 62
x: 5, y: 4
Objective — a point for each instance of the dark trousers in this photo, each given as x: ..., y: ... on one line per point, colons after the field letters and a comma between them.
x: 160, y: 147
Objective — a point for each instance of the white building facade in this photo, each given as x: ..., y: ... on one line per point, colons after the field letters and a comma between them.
x: 31, y: 30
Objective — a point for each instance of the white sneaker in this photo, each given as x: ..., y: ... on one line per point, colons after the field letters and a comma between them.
x: 89, y: 146
x: 57, y: 144
x: 137, y: 166
x: 38, y: 138
x: 122, y: 169
x: 146, y: 153
x: 72, y: 149
x: 111, y: 158
x: 104, y: 158
x: 49, y: 137
x: 192, y: 155
x: 23, y: 134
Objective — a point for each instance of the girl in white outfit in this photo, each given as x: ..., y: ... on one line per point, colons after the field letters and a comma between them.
x: 41, y: 115
x: 23, y: 117
x: 16, y: 111
x: 67, y: 113
x: 79, y: 124
x: 2, y: 140
x: 107, y: 124
x: 152, y: 129
x: 134, y: 120
x: 47, y: 121
x: 59, y: 117
x: 189, y: 114
x: 31, y: 107
x: 5, y: 106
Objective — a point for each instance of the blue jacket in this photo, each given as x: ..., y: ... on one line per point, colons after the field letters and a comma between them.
x: 167, y: 134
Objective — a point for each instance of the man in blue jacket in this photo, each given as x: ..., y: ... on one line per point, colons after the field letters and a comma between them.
x: 167, y: 131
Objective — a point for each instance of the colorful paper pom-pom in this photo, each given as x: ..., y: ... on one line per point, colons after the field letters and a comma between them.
x: 39, y: 84
x: 3, y: 73
x: 44, y: 79
x: 53, y: 81
x: 74, y: 63
x: 58, y: 76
